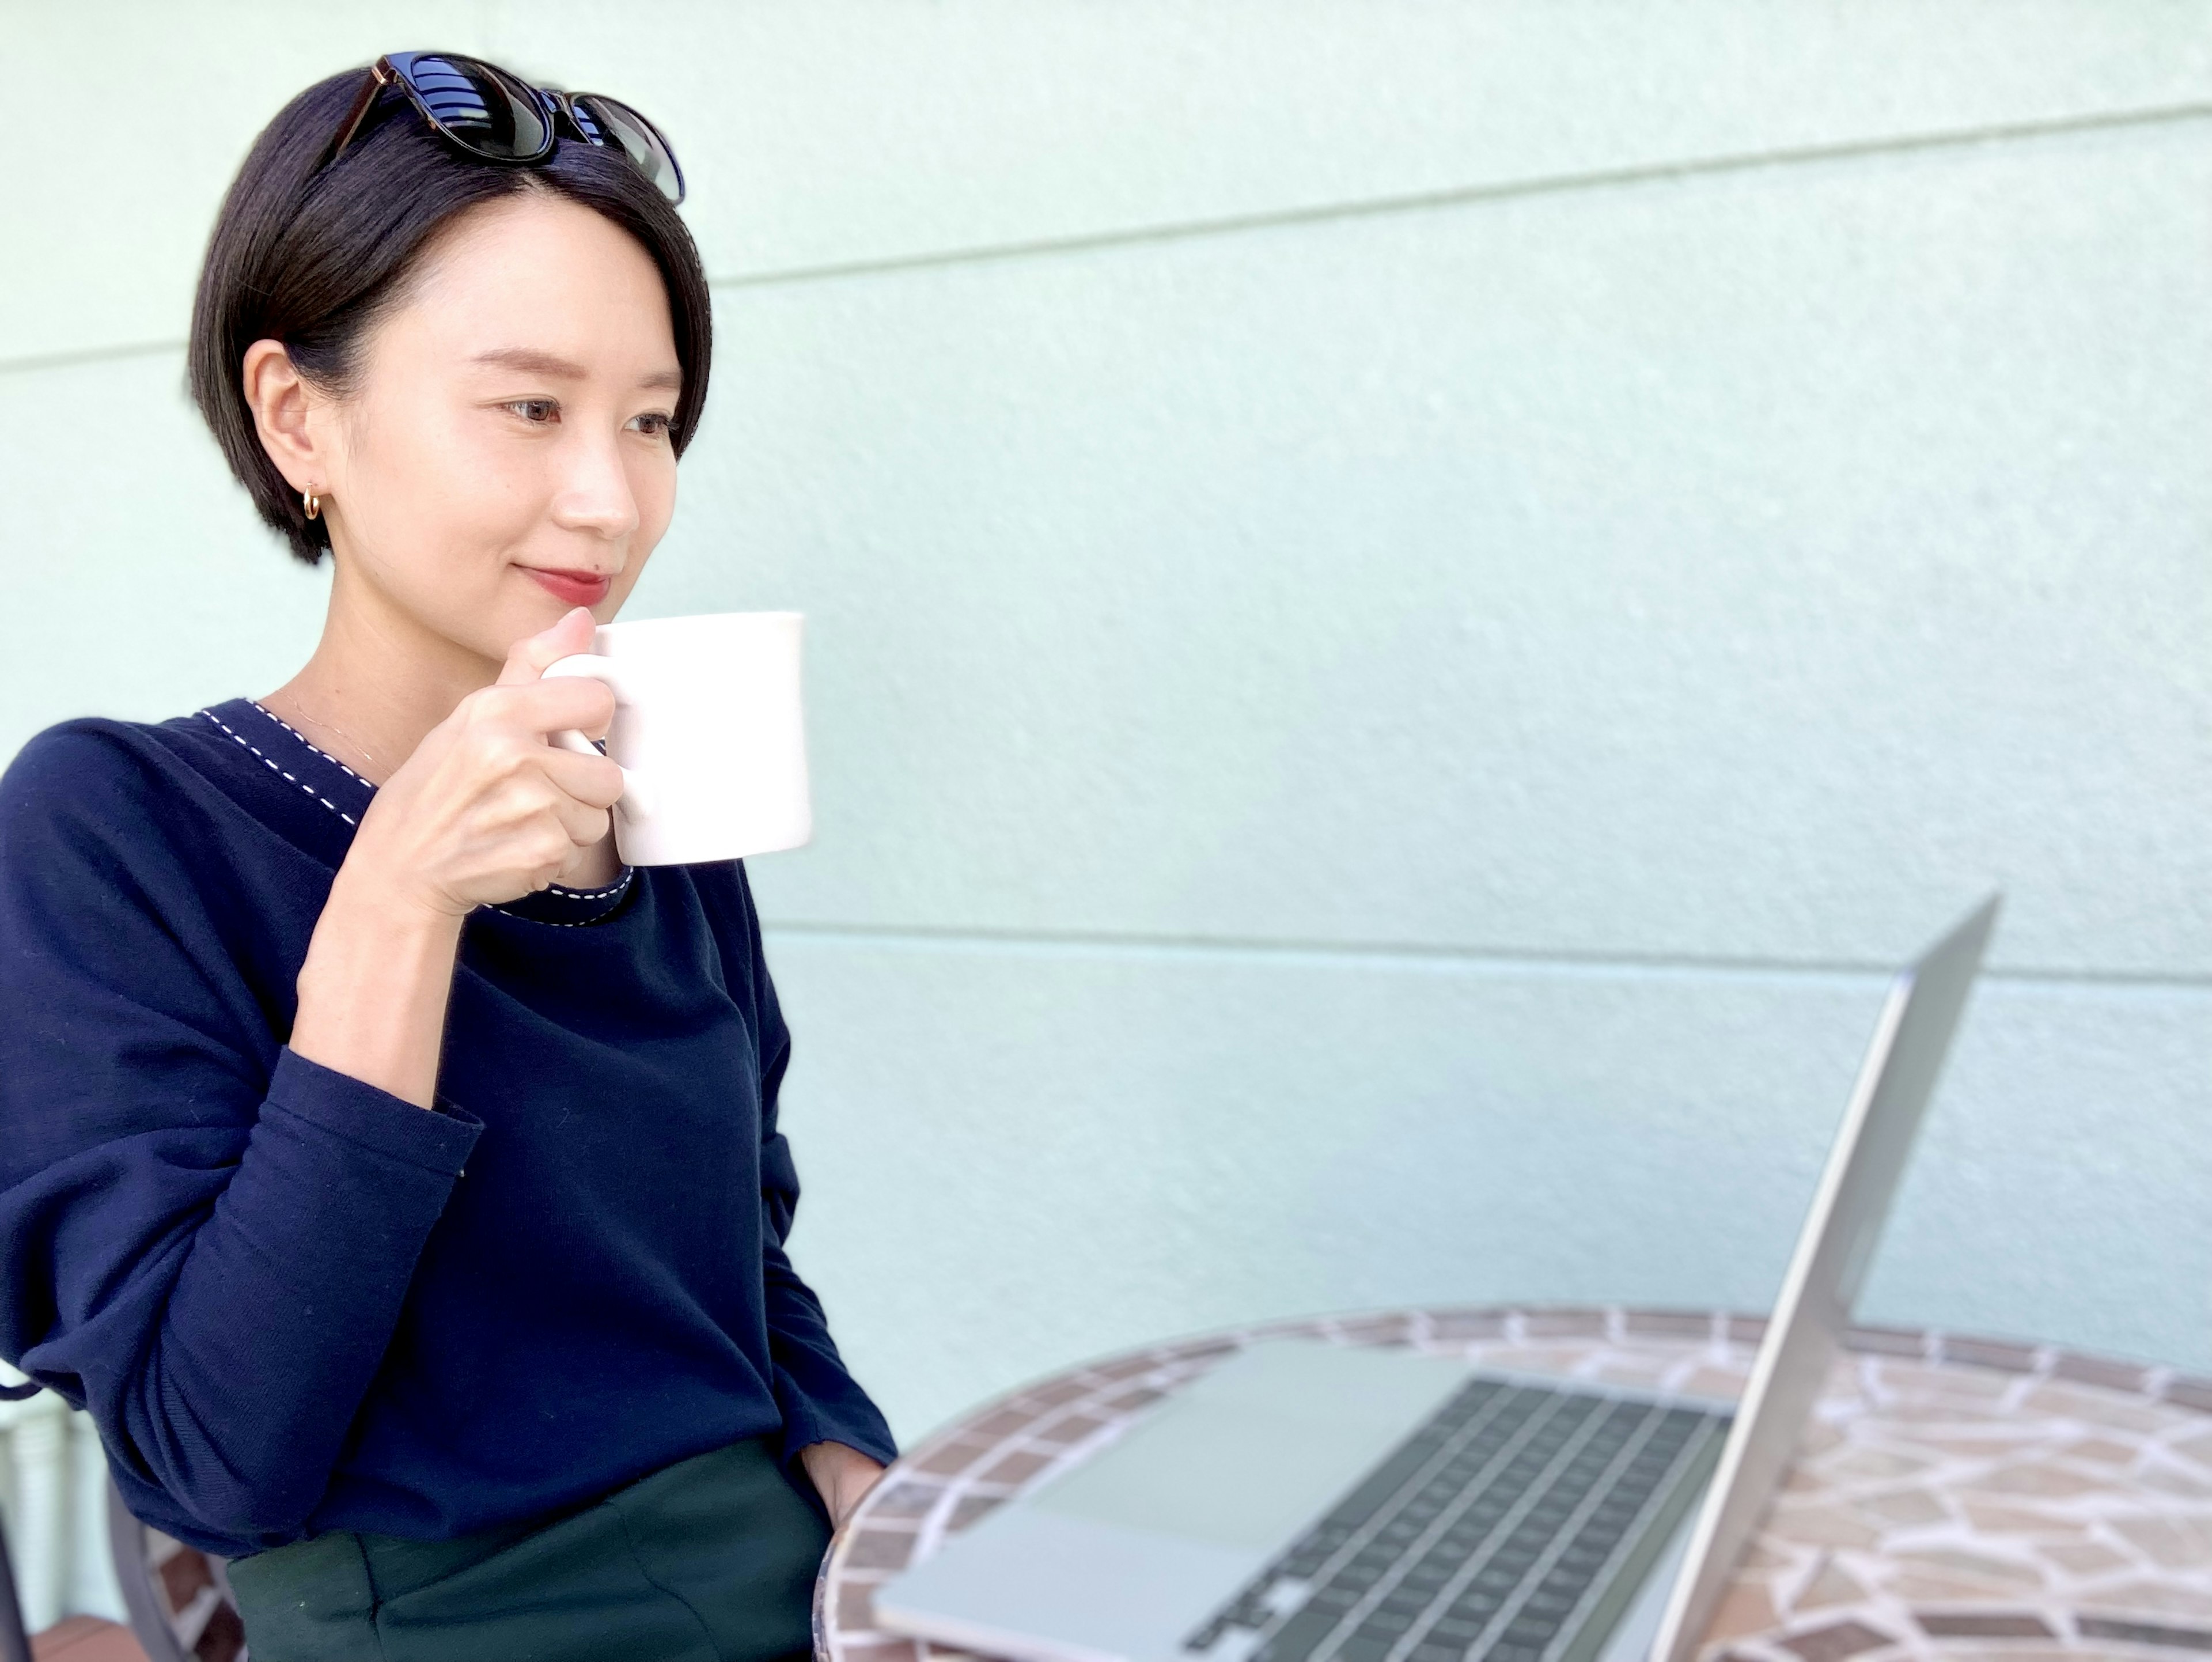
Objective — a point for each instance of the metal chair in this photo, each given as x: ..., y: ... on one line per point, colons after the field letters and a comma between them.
x: 14, y: 1643
x: 180, y: 1597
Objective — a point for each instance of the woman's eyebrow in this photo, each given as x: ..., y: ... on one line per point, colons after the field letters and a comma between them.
x: 530, y: 362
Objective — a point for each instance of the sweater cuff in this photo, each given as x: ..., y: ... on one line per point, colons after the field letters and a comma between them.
x: 344, y: 1106
x: 854, y: 1423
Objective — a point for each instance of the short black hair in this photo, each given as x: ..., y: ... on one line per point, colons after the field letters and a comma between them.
x: 314, y: 256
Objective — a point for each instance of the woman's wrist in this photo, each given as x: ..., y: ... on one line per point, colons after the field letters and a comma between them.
x: 841, y: 1475
x: 373, y: 985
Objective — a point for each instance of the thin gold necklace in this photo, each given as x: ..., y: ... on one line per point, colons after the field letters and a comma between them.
x: 352, y: 743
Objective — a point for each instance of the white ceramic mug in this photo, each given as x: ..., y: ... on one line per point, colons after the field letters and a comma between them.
x: 708, y: 731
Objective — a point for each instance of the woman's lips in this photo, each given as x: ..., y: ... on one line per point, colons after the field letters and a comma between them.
x: 576, y: 588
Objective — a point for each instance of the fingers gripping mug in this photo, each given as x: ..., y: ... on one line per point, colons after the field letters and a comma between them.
x: 709, y: 734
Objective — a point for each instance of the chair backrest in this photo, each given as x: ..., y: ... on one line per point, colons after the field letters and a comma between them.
x: 14, y: 1643
x: 178, y: 1596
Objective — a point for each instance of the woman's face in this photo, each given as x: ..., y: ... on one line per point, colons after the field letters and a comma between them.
x: 505, y: 455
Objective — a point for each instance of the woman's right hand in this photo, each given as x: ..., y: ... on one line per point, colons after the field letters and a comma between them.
x: 486, y: 810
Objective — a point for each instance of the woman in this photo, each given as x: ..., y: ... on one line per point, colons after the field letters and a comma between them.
x: 394, y: 1175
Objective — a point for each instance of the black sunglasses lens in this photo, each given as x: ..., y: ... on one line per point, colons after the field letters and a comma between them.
x: 623, y: 128
x: 481, y: 108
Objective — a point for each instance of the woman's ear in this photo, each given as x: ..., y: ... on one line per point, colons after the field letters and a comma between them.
x: 280, y: 400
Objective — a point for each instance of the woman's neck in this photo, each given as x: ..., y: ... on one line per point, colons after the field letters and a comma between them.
x: 378, y: 682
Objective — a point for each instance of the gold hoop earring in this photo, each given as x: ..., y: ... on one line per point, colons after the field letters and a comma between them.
x: 311, y: 502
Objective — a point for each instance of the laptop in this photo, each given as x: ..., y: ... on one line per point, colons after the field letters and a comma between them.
x: 1306, y: 1502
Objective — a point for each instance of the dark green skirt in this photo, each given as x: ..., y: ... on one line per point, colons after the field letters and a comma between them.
x: 710, y: 1560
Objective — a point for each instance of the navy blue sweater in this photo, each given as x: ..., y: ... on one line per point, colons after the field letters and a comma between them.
x: 294, y: 1303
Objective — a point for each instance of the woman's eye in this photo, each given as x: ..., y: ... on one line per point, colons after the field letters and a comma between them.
x: 653, y: 425
x: 535, y: 410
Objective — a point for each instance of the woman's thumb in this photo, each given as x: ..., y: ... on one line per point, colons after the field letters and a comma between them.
x: 528, y: 657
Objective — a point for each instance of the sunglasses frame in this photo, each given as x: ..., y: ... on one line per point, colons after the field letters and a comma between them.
x: 554, y: 107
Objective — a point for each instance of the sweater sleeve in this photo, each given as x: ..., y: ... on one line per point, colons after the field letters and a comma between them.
x: 821, y: 1402
x: 204, y: 1240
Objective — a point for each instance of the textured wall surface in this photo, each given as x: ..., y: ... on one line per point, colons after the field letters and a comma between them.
x: 1409, y: 602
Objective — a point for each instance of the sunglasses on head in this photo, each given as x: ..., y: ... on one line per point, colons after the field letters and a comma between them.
x: 494, y: 116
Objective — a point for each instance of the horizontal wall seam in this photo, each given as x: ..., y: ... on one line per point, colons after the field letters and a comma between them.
x: 1418, y: 202
x: 1363, y: 208
x: 1412, y: 955
x: 144, y: 349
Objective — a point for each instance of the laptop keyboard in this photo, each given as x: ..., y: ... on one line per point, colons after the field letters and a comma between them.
x: 1512, y: 1526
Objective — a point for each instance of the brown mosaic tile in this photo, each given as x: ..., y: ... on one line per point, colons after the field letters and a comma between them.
x: 2092, y: 1407
x: 1202, y: 1350
x: 881, y: 1647
x: 1070, y: 1428
x: 903, y: 1499
x: 970, y: 1507
x: 1887, y: 1341
x: 1747, y: 1609
x: 1126, y: 1368
x: 1375, y: 1329
x: 1904, y: 1507
x: 2052, y: 1482
x: 2162, y: 1598
x: 1628, y: 1370
x: 1970, y: 1569
x: 1817, y: 1526
x: 2101, y: 1452
x: 1055, y: 1393
x: 2081, y: 1558
x: 2100, y: 1370
x: 2190, y: 1393
x: 1127, y: 1402
x: 1448, y: 1325
x: 1993, y: 1624
x: 2000, y: 1518
x: 1668, y: 1324
x: 1563, y: 1324
x: 1947, y: 1383
x: 1004, y: 1423
x: 1998, y: 1354
x: 2144, y: 1632
x: 2185, y: 1484
x: 879, y: 1549
x: 1835, y: 1642
x: 1834, y: 1585
x: 1533, y: 1359
x: 954, y: 1456
x: 1863, y: 1464
x: 1747, y: 1330
x: 1018, y: 1467
x: 2172, y: 1543
x: 856, y: 1607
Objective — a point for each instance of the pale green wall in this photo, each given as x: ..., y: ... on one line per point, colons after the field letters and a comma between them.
x: 1408, y: 601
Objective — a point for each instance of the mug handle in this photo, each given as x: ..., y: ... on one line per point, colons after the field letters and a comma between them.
x: 635, y: 799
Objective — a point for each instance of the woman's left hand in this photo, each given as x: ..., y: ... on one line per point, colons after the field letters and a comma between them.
x: 840, y: 1476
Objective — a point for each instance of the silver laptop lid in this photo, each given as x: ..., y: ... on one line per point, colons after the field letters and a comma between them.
x: 1803, y: 1337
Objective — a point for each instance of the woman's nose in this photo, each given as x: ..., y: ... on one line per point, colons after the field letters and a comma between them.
x: 593, y: 493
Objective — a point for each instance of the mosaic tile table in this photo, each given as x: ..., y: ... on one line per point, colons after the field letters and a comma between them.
x: 1954, y: 1498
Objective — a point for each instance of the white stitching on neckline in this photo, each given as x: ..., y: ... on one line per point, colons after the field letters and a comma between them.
x: 609, y: 892
x: 613, y: 888
x: 304, y: 740
x: 276, y: 768
x: 592, y: 921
